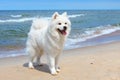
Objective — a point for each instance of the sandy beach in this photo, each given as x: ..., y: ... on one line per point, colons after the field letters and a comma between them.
x: 101, y: 62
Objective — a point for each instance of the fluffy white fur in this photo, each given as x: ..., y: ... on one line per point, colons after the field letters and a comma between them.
x: 48, y: 36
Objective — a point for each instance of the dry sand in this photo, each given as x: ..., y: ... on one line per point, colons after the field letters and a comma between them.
x: 100, y: 62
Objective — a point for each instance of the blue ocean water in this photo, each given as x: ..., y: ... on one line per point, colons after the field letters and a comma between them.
x: 86, y: 24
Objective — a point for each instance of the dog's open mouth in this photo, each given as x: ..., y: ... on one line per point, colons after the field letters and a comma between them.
x: 63, y: 32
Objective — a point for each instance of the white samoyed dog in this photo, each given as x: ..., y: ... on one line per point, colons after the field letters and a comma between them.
x: 48, y: 36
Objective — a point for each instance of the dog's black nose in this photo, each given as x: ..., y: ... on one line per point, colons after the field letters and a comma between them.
x: 65, y: 27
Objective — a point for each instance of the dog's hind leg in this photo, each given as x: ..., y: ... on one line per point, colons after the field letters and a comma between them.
x: 30, y: 65
x: 32, y: 55
x: 39, y: 59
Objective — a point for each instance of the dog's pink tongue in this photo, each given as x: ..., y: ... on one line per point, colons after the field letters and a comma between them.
x: 64, y: 32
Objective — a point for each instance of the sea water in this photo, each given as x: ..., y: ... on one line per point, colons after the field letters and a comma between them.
x: 86, y: 24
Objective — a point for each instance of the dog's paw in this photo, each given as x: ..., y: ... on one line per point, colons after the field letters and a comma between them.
x: 58, y: 70
x: 54, y: 74
x: 31, y: 66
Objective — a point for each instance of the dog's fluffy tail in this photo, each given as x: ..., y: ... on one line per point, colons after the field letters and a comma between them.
x: 39, y: 23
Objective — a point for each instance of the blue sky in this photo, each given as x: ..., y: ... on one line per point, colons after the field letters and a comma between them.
x: 58, y: 4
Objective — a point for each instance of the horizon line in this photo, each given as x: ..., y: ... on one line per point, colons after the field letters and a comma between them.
x: 56, y: 9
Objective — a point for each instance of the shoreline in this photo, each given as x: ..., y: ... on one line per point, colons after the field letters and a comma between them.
x: 103, y: 39
x: 13, y: 51
x: 87, y: 63
x: 66, y: 51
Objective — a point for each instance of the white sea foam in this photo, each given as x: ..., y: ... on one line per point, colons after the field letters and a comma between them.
x: 32, y: 18
x: 99, y: 31
x: 16, y: 16
x: 12, y: 53
x: 17, y: 20
x: 89, y: 34
x: 75, y: 15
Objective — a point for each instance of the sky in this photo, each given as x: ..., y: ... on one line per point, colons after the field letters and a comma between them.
x: 58, y: 4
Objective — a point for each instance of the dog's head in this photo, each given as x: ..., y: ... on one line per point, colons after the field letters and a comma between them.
x: 60, y: 24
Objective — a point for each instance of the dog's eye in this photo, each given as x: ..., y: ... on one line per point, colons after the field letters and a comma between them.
x: 59, y: 23
x: 65, y: 23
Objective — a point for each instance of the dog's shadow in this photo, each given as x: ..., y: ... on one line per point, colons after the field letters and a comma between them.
x: 43, y: 68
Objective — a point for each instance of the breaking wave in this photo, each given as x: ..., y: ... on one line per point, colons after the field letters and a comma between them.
x: 17, y: 20
x: 89, y: 34
x: 16, y: 16
x: 76, y: 15
x: 32, y: 18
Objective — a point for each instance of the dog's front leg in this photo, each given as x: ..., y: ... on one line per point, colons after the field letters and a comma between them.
x: 57, y: 63
x: 51, y: 60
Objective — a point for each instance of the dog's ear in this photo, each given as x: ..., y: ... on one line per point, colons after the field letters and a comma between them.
x: 55, y: 15
x: 65, y: 14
